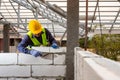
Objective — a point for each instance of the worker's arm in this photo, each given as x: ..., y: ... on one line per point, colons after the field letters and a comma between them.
x: 23, y: 44
x: 51, y: 39
x: 22, y: 47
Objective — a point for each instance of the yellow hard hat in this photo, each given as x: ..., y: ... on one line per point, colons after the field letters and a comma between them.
x: 34, y: 26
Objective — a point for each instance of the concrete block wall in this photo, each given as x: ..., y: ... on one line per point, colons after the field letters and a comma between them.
x: 89, y: 66
x: 19, y: 66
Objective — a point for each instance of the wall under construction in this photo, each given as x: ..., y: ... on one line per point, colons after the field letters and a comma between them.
x: 19, y: 66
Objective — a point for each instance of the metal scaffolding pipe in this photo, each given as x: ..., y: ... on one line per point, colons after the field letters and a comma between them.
x: 57, y: 9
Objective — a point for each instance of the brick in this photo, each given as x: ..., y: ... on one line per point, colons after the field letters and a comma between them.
x: 60, y: 49
x: 8, y: 58
x: 42, y: 49
x: 59, y: 59
x: 48, y: 70
x: 22, y: 79
x: 11, y: 79
x: 3, y: 78
x: 29, y: 59
x: 51, y: 79
x: 87, y: 54
x: 15, y: 71
x: 92, y: 70
x: 50, y: 49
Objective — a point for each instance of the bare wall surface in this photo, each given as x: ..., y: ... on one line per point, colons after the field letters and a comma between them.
x: 89, y: 66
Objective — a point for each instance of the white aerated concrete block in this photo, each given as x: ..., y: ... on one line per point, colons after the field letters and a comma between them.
x: 111, y: 65
x: 30, y: 79
x: 92, y: 70
x: 60, y: 59
x: 60, y: 49
x: 22, y: 79
x: 8, y: 58
x: 48, y: 70
x: 15, y: 71
x: 87, y: 54
x: 3, y: 78
x: 29, y: 59
x: 50, y: 49
x: 42, y: 49
x: 11, y: 79
x: 51, y: 79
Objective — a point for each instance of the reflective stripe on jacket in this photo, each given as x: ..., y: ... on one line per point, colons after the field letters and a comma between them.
x: 35, y: 41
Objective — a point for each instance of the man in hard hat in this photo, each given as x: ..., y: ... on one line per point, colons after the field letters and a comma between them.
x: 37, y: 36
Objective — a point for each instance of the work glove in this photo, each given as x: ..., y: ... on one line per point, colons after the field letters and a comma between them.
x: 35, y: 53
x: 54, y: 45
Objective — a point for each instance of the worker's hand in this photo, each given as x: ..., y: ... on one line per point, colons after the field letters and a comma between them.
x: 35, y: 53
x: 55, y: 46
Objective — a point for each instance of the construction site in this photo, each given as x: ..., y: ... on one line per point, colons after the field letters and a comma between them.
x: 87, y: 33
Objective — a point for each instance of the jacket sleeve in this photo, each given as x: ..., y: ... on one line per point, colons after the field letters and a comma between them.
x: 23, y: 44
x: 50, y: 38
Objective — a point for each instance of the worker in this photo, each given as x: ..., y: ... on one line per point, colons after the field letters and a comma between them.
x: 36, y: 36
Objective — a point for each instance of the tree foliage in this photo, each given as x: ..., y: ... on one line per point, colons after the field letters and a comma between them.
x: 107, y: 45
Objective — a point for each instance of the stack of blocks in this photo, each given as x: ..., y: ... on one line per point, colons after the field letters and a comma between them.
x: 20, y: 66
